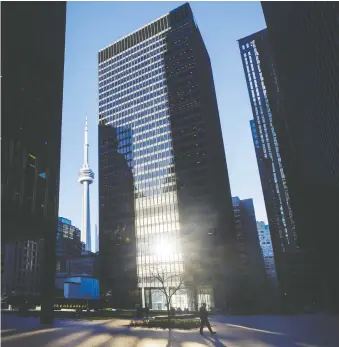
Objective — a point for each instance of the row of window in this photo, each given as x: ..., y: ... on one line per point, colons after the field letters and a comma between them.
x: 164, y: 162
x: 163, y: 218
x: 162, y: 120
x: 124, y: 141
x: 187, y: 106
x: 153, y: 132
x: 147, y: 117
x: 136, y: 77
x: 151, y: 158
x: 124, y: 138
x: 156, y: 192
x: 135, y: 84
x: 164, y: 199
x: 160, y: 156
x: 157, y: 180
x: 155, y: 89
x: 131, y: 61
x: 125, y: 150
x: 132, y: 50
x: 158, y: 56
x: 151, y: 145
x: 137, y: 105
x: 170, y: 264
x: 160, y: 172
x: 156, y: 183
x: 159, y: 227
x: 124, y: 104
x: 161, y: 182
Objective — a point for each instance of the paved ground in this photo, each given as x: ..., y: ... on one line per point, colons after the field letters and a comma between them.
x: 232, y: 331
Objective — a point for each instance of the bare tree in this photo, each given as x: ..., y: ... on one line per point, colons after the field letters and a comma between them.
x: 169, y: 284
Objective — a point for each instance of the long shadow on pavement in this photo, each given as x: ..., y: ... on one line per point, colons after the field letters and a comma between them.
x: 215, y: 340
x: 243, y: 332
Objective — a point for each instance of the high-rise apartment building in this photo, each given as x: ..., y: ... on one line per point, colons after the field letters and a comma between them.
x: 260, y: 74
x: 165, y: 200
x: 32, y: 64
x: 304, y: 39
x: 68, y: 244
x: 251, y: 269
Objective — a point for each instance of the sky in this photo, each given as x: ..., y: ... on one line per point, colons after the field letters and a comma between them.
x: 92, y: 26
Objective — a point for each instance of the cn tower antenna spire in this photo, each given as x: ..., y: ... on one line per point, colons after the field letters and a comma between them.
x: 86, y: 145
x: 86, y: 177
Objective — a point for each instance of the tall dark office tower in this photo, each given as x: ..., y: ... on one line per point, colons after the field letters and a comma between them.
x: 304, y: 38
x: 251, y: 267
x: 260, y: 75
x: 22, y: 266
x: 160, y: 133
x: 32, y: 46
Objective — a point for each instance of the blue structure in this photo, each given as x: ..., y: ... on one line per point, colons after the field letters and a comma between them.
x: 81, y: 288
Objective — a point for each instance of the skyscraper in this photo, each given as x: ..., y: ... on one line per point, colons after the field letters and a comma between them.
x: 251, y: 268
x: 86, y: 177
x: 32, y: 46
x: 163, y: 187
x: 304, y: 41
x: 260, y: 75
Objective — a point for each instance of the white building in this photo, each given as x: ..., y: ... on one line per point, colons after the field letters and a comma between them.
x: 267, y: 249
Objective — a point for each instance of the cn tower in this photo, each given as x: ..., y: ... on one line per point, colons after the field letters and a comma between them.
x: 86, y: 177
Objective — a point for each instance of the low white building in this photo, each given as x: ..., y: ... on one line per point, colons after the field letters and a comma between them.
x: 267, y: 250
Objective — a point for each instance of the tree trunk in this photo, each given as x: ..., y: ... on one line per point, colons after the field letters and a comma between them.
x: 168, y: 310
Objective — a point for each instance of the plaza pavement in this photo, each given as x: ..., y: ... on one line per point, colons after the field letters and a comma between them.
x: 232, y: 331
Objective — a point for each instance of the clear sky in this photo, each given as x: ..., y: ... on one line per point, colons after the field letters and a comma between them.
x: 92, y: 26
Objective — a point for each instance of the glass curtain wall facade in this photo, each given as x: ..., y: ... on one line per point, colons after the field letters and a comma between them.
x: 265, y: 133
x: 260, y: 74
x: 307, y: 127
x: 143, y: 131
x: 136, y: 107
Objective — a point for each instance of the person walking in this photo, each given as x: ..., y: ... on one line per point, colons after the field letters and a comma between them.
x: 204, y: 320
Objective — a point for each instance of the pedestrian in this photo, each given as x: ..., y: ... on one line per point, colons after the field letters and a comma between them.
x: 204, y: 320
